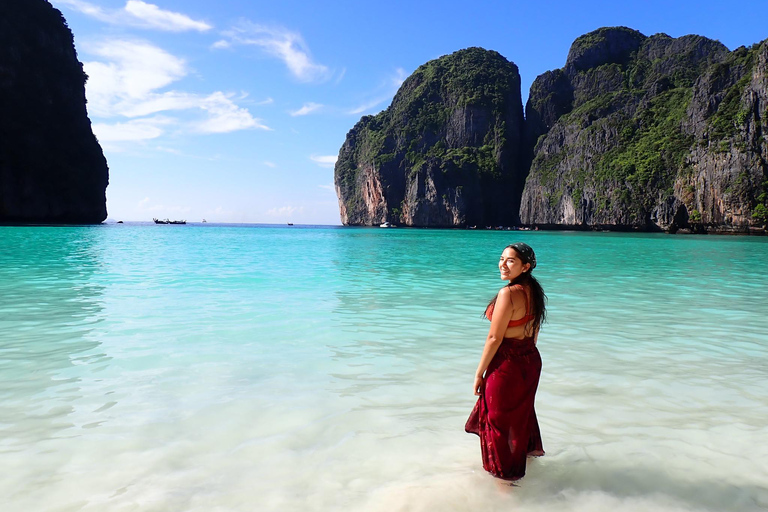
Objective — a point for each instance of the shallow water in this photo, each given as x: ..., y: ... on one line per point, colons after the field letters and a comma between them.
x: 211, y: 368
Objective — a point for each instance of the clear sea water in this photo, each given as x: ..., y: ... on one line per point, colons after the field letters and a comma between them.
x: 213, y: 368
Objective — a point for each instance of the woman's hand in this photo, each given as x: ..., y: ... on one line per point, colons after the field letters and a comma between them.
x: 478, y: 384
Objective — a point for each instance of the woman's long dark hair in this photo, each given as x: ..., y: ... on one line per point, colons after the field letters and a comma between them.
x: 537, y: 299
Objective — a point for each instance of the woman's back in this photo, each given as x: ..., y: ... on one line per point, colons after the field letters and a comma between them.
x: 521, y: 323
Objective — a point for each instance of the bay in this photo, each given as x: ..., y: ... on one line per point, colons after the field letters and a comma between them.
x: 205, y: 367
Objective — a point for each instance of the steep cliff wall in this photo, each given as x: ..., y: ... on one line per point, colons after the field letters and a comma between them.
x: 52, y: 169
x: 649, y: 133
x: 634, y: 132
x: 447, y: 152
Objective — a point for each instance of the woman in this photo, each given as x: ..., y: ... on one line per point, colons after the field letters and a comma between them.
x: 509, y: 369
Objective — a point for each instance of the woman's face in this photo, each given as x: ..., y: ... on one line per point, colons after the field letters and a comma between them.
x: 510, y: 264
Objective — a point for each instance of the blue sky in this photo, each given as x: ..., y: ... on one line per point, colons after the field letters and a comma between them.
x: 234, y: 111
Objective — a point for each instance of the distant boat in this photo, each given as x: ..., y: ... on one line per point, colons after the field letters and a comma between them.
x: 166, y: 221
x: 386, y: 225
x: 290, y: 223
x: 119, y: 222
x: 204, y: 221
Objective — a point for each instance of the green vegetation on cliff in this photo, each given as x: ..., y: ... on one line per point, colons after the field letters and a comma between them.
x: 459, y: 115
x: 471, y: 78
x: 632, y: 127
x: 633, y: 132
x: 730, y: 115
x: 651, y: 149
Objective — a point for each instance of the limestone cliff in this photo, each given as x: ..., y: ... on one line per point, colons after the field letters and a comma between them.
x: 447, y: 151
x: 633, y: 133
x: 649, y: 133
x: 52, y: 169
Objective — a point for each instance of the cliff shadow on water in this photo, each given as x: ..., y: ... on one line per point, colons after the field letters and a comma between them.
x: 633, y: 133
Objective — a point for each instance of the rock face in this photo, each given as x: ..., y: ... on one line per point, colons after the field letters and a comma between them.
x: 52, y: 169
x: 634, y: 132
x: 447, y: 152
x: 649, y: 133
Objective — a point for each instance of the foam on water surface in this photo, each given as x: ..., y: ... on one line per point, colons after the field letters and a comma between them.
x: 220, y: 368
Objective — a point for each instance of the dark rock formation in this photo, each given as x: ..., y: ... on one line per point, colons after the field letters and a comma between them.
x: 634, y: 132
x: 649, y: 133
x: 52, y: 169
x: 447, y: 152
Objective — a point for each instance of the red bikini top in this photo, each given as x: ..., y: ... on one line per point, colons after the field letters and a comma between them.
x: 512, y: 323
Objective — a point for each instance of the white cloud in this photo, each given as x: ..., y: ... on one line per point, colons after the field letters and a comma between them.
x: 330, y: 187
x: 399, y: 78
x: 369, y: 105
x: 390, y: 87
x: 306, y: 109
x: 284, y: 211
x: 126, y: 83
x: 225, y: 116
x: 269, y: 164
x: 221, y: 44
x: 281, y: 43
x: 133, y: 130
x: 324, y: 161
x: 133, y: 70
x: 172, y: 151
x: 139, y: 14
x: 91, y: 10
x: 341, y: 76
x: 154, y: 17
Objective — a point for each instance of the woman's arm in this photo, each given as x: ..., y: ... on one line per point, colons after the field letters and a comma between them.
x: 502, y: 313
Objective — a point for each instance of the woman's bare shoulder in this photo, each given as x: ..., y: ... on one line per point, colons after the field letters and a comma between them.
x: 512, y: 292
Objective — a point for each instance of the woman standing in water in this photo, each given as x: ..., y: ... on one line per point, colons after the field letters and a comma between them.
x: 509, y: 369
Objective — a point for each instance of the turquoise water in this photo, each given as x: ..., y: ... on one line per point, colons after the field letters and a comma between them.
x: 210, y: 368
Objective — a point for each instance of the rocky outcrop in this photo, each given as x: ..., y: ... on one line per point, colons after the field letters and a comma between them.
x: 52, y: 169
x: 649, y: 133
x: 633, y: 133
x: 447, y: 152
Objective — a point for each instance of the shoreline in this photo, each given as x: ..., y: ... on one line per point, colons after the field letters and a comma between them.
x: 694, y: 230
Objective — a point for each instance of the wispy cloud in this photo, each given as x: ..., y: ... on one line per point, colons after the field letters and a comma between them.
x: 369, y: 105
x: 340, y: 77
x: 125, y: 83
x: 399, y: 78
x: 328, y: 187
x: 139, y: 14
x: 385, y: 92
x: 225, y: 116
x: 133, y: 130
x: 324, y: 161
x: 307, y: 108
x: 221, y: 44
x: 127, y: 75
x: 269, y: 164
x: 281, y: 43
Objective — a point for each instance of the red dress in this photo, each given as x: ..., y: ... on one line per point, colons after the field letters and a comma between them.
x: 504, y: 416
